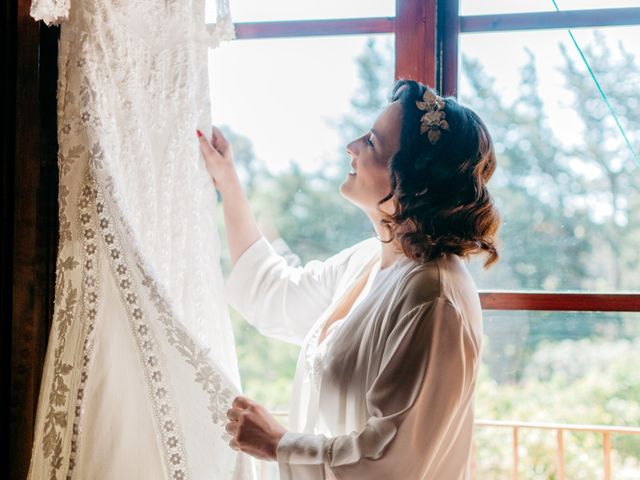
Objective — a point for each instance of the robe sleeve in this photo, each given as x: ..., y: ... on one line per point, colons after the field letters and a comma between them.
x: 416, y: 404
x: 52, y: 12
x: 283, y: 301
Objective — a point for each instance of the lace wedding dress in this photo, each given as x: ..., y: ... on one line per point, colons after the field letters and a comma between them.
x: 140, y: 367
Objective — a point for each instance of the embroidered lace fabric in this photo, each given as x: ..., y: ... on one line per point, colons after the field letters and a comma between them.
x: 140, y: 366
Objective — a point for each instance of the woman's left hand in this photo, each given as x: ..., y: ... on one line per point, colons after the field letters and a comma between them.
x: 255, y: 431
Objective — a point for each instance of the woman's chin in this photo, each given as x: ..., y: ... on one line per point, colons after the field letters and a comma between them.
x: 345, y: 189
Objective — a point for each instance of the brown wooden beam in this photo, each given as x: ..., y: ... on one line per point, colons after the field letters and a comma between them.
x: 544, y: 20
x: 448, y: 28
x: 311, y: 28
x: 416, y: 40
x: 412, y: 17
x: 34, y: 225
x: 577, y: 302
x: 7, y: 175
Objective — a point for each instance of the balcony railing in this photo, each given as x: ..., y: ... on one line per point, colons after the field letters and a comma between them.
x: 267, y: 472
x: 560, y: 428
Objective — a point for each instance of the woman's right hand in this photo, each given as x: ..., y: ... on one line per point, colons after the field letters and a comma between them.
x: 241, y: 227
x: 218, y: 156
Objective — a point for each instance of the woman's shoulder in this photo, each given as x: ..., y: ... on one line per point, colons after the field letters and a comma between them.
x: 420, y: 284
x: 445, y: 278
x: 366, y: 247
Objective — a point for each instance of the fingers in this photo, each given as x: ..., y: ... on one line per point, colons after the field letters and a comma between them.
x: 205, y: 146
x: 233, y: 414
x: 233, y: 428
x: 234, y: 444
x: 218, y: 140
x: 241, y: 402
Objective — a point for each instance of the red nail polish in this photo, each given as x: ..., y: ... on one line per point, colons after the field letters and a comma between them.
x: 199, y: 133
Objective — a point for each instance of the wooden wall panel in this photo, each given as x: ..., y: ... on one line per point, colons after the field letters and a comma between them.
x: 33, y: 216
x: 7, y: 151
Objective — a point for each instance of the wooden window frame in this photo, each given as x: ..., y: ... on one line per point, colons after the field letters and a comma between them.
x: 560, y: 301
x: 426, y: 49
x: 609, y: 17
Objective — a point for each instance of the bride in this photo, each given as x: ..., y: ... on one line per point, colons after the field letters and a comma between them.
x: 390, y: 328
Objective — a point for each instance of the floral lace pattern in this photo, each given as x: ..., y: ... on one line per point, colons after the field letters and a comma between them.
x: 55, y: 420
x: 136, y: 223
x: 160, y: 393
x: 90, y: 309
x: 205, y: 373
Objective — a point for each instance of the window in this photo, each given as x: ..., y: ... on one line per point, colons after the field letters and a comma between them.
x: 567, y: 186
x: 566, y: 176
x: 286, y: 105
x: 562, y: 308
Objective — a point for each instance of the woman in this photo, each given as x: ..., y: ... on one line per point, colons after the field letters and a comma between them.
x: 390, y: 328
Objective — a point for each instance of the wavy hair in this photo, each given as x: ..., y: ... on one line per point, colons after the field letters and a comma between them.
x: 439, y: 191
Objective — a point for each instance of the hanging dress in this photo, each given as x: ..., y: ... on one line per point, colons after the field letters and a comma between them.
x: 141, y: 365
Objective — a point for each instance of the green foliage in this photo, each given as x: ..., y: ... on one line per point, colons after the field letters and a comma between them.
x: 266, y: 366
x: 309, y: 213
x: 576, y: 382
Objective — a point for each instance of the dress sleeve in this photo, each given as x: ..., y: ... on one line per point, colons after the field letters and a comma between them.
x: 419, y: 396
x: 282, y: 301
x: 52, y: 12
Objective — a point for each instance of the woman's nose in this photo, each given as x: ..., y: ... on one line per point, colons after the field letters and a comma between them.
x: 352, y: 148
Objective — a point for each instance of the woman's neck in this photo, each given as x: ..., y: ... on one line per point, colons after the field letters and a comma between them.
x: 389, y: 251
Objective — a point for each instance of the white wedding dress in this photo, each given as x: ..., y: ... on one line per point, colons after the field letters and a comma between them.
x: 141, y: 366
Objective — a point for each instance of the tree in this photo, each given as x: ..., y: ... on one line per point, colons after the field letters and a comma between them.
x: 615, y: 235
x: 582, y: 229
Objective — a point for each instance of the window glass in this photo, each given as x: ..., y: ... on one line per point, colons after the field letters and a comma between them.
x: 274, y: 10
x: 567, y: 185
x: 486, y: 7
x: 558, y: 367
x: 289, y: 107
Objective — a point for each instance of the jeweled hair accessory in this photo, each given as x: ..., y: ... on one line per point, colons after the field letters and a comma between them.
x: 433, y: 122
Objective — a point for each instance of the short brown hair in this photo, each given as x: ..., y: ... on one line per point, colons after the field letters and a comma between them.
x: 442, y: 205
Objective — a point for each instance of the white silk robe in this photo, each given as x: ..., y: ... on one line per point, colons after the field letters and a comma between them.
x: 388, y: 394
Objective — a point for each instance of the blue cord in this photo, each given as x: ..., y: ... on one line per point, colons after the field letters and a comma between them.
x: 602, y: 94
